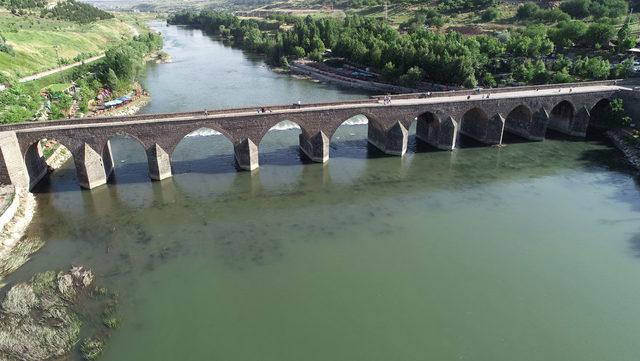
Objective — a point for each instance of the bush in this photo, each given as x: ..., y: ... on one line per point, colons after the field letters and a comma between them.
x: 527, y: 11
x: 490, y: 14
x: 413, y: 76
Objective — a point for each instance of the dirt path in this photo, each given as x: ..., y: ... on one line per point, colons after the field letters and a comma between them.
x: 59, y: 69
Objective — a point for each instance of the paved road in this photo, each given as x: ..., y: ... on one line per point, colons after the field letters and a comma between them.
x: 212, y: 114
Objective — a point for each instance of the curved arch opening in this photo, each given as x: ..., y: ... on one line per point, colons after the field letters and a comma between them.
x: 561, y: 116
x: 281, y: 159
x: 427, y: 133
x: 46, y: 156
x: 517, y: 124
x: 601, y: 118
x: 280, y: 145
x: 350, y: 138
x: 473, y: 126
x: 204, y: 150
x: 125, y: 159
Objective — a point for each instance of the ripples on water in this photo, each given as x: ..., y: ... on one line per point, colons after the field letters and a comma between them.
x: 528, y: 252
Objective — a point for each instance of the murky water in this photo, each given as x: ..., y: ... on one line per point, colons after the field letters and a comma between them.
x: 528, y: 252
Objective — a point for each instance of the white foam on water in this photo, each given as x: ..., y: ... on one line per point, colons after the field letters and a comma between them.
x: 283, y: 125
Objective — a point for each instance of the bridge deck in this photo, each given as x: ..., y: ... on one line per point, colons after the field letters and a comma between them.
x: 288, y: 109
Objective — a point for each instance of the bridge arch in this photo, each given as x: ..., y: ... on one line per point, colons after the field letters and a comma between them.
x: 438, y: 131
x: 522, y: 122
x: 351, y: 133
x: 203, y: 150
x: 129, y: 162
x: 280, y: 144
x: 562, y: 116
x: 601, y: 115
x: 36, y: 156
x: 476, y: 124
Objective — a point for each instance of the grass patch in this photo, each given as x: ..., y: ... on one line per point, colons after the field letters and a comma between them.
x: 41, y: 44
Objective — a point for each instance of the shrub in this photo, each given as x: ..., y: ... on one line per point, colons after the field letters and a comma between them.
x: 490, y: 14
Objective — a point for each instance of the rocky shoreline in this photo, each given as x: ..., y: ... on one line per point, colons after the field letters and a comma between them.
x: 624, y: 140
x: 44, y: 318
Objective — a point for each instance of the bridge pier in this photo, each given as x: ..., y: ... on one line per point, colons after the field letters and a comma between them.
x: 159, y: 163
x: 580, y: 123
x: 90, y: 169
x: 315, y: 147
x: 392, y: 141
x: 440, y: 135
x: 246, y: 153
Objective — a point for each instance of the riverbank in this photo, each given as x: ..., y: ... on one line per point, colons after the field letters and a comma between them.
x: 624, y: 140
x: 18, y: 210
x: 304, y: 68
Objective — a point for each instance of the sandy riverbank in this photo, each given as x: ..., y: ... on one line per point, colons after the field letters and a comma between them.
x: 15, y: 249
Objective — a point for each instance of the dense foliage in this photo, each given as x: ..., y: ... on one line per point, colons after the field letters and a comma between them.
x: 421, y: 55
x: 598, y: 9
x: 23, y: 4
x: 121, y: 65
x: 76, y: 11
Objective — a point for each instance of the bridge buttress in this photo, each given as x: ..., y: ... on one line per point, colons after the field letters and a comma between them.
x: 580, y: 123
x: 315, y: 147
x: 246, y: 153
x: 90, y: 169
x: 159, y: 163
x: 392, y: 141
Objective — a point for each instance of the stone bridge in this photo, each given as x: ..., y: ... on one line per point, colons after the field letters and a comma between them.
x: 441, y: 117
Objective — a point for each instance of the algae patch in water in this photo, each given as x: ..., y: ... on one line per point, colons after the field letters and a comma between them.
x: 43, y: 318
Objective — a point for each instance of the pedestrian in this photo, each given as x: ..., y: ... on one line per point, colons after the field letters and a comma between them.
x: 206, y: 113
x: 570, y: 90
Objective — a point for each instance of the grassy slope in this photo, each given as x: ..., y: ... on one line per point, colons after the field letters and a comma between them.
x: 35, y: 40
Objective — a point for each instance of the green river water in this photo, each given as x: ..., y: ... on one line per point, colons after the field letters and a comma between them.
x: 527, y: 252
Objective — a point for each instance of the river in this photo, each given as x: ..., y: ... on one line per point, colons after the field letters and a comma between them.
x: 527, y: 252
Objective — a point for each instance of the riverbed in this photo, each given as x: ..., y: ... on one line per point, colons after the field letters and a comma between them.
x: 526, y: 252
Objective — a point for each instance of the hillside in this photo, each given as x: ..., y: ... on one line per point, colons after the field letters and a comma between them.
x: 35, y: 43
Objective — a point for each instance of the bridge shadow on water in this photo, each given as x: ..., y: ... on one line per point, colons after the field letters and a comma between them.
x: 611, y: 159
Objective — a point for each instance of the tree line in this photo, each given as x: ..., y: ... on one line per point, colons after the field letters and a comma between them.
x: 521, y: 55
x: 71, y: 10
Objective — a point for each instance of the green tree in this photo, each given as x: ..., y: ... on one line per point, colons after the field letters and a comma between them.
x: 578, y: 9
x: 568, y: 33
x: 298, y: 52
x: 488, y: 80
x: 413, y: 76
x: 599, y: 34
x: 626, y: 39
x: 112, y: 79
x: 527, y: 10
x: 490, y: 14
